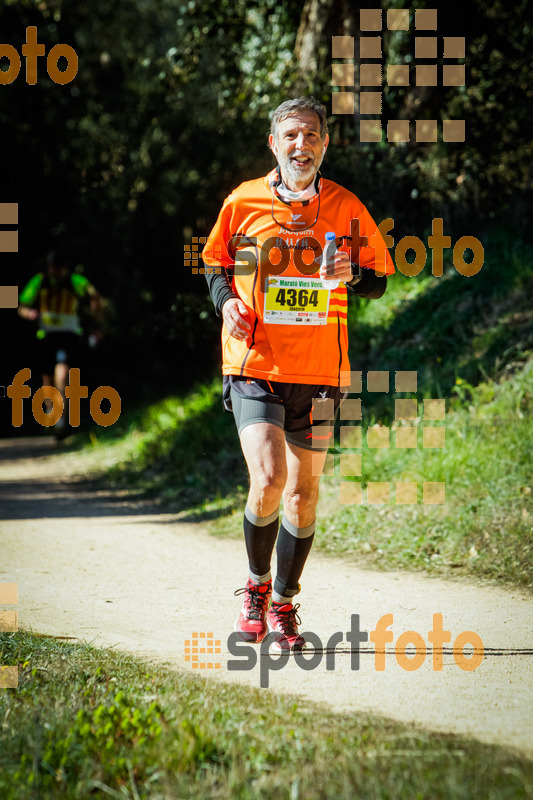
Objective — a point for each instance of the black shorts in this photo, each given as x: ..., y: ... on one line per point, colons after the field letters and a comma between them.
x: 59, y: 348
x: 304, y: 411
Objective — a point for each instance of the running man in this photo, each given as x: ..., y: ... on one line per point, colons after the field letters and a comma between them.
x: 285, y: 346
x: 54, y: 300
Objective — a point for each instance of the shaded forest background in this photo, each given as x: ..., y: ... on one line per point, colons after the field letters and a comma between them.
x: 170, y: 110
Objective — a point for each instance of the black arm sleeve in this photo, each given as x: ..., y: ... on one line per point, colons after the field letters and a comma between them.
x: 370, y: 285
x: 219, y: 285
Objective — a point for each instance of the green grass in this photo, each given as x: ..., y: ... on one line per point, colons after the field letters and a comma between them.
x: 87, y: 723
x: 486, y: 525
x: 476, y: 328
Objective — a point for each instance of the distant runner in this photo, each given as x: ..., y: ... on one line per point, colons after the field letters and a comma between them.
x: 285, y: 347
x: 54, y: 300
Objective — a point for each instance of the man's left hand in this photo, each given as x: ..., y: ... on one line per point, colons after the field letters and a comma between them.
x: 343, y: 269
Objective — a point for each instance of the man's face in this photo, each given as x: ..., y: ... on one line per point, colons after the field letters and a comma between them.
x: 299, y: 148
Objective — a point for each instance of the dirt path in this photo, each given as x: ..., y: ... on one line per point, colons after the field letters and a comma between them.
x: 105, y: 570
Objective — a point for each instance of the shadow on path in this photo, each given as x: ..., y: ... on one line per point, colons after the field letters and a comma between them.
x: 39, y: 481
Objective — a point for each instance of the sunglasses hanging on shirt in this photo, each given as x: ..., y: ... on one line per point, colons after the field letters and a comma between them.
x: 296, y: 218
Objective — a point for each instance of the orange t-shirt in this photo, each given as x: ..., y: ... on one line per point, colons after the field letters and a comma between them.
x: 299, y: 329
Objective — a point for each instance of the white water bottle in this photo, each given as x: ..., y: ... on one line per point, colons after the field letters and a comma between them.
x: 328, y: 260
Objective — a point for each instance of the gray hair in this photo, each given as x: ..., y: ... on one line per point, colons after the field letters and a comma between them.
x: 291, y: 107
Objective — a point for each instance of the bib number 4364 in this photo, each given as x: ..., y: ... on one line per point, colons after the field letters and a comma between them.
x: 300, y: 297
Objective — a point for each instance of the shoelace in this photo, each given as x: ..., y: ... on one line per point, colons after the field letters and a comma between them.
x: 257, y: 601
x: 288, y: 620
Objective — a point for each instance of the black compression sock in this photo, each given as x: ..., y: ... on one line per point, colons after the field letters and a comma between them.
x: 260, y: 535
x: 292, y: 550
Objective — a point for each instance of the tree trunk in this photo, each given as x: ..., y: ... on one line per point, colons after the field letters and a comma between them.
x: 313, y: 23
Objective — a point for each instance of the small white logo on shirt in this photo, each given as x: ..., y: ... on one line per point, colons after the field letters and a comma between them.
x: 295, y: 217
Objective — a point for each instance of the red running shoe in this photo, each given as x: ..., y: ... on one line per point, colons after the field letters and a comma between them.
x: 283, y: 619
x: 251, y: 623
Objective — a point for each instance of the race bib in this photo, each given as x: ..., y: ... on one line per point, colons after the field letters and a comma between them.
x: 296, y: 301
x: 57, y: 321
x: 51, y: 320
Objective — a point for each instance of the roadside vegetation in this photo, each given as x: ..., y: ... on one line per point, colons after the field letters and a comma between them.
x: 93, y: 723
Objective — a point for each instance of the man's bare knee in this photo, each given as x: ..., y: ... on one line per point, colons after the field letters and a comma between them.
x: 268, y: 483
x: 300, y: 507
